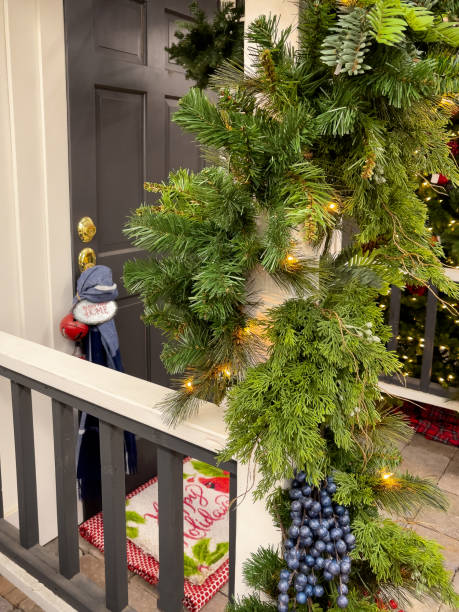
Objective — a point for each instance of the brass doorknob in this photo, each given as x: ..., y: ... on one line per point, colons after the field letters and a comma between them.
x: 86, y: 259
x: 86, y: 229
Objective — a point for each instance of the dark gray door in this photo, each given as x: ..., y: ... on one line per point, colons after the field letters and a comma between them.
x: 122, y: 91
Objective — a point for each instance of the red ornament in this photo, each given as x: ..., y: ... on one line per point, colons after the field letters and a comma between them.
x: 442, y: 179
x: 416, y: 289
x: 454, y: 146
x: 73, y: 329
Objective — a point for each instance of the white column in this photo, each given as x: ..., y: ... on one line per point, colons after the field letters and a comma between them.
x: 254, y: 524
x: 286, y: 10
x: 35, y: 275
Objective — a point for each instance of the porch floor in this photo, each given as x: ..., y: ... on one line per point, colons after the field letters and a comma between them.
x: 423, y: 457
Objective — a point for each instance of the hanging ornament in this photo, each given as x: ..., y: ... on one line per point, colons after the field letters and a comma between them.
x: 442, y: 179
x: 416, y: 289
x: 454, y: 146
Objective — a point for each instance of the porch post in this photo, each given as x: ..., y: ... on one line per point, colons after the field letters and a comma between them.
x: 255, y: 526
x: 254, y: 523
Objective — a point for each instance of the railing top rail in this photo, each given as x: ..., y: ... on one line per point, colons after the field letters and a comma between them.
x: 122, y: 394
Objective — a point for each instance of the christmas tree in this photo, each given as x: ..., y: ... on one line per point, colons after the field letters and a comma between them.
x: 341, y: 127
x: 442, y: 200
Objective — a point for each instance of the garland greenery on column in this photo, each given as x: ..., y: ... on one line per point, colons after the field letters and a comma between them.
x: 343, y: 126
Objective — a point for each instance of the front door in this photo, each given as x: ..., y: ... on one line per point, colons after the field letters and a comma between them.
x: 122, y: 91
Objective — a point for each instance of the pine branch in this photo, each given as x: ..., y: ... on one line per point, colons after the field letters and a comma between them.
x: 251, y: 603
x: 406, y: 494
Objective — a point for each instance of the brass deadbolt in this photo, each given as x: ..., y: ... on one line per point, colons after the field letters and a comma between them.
x: 86, y: 229
x: 86, y: 259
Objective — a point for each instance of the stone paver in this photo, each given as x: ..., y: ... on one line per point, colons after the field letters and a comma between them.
x: 143, y: 597
x: 5, y: 586
x: 5, y: 606
x: 440, y: 462
x: 450, y: 546
x: 450, y: 479
x: 94, y: 569
x: 29, y: 606
x: 435, y: 519
x: 426, y: 458
x: 15, y: 597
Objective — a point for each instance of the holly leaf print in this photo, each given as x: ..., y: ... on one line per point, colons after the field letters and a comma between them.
x: 208, y: 470
x: 190, y: 566
x: 132, y: 532
x: 219, y: 552
x: 133, y: 517
x: 201, y: 550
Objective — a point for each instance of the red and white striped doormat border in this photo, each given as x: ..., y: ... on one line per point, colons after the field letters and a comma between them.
x: 147, y: 567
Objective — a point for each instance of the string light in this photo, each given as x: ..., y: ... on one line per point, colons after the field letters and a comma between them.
x: 332, y: 205
x: 290, y: 260
x: 446, y: 102
x: 388, y: 477
x: 450, y: 376
x: 188, y: 385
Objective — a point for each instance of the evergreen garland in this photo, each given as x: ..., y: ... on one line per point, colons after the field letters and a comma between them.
x: 203, y: 45
x: 298, y: 144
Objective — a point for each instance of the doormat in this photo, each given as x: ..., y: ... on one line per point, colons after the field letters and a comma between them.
x: 440, y: 424
x: 206, y: 529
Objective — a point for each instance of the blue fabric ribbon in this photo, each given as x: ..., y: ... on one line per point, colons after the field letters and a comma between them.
x: 96, y: 285
x: 100, y: 346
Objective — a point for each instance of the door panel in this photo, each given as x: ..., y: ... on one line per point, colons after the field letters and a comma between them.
x: 120, y: 162
x: 121, y: 29
x: 181, y: 150
x: 122, y: 92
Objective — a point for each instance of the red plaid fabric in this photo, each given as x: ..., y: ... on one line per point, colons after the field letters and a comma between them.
x: 147, y: 567
x: 434, y: 423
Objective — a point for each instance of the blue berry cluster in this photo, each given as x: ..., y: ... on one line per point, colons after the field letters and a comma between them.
x: 318, y: 543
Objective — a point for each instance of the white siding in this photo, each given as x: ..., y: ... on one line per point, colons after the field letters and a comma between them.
x: 35, y: 275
